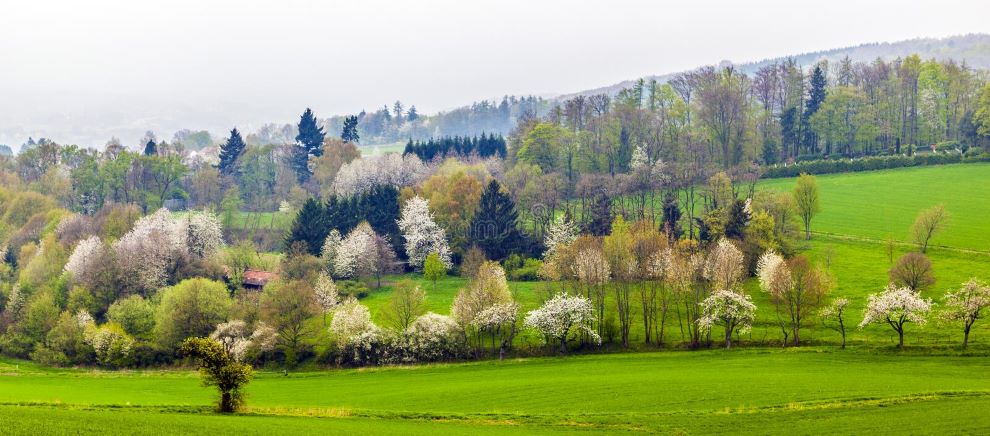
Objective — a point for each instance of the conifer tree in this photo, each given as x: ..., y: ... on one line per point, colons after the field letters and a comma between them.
x: 230, y: 151
x: 493, y: 227
x: 816, y: 96
x: 150, y: 149
x: 309, y: 227
x: 350, y: 133
x: 309, y: 142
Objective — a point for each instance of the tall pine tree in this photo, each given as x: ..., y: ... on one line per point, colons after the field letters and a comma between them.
x: 230, y: 150
x: 309, y: 142
x: 310, y: 227
x: 350, y: 133
x: 816, y: 96
x: 493, y: 227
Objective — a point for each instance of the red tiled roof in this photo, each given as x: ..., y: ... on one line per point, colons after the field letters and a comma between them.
x: 259, y: 278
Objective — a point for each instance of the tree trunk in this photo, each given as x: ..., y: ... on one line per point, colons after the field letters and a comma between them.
x: 226, y: 402
x: 900, y: 336
x: 966, y: 337
x: 728, y: 338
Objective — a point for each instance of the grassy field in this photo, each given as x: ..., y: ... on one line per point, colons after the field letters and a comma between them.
x: 883, y: 204
x: 750, y: 391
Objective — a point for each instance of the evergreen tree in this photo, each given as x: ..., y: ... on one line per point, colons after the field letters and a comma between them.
x: 230, y: 151
x: 150, y: 149
x: 601, y: 214
x: 816, y: 96
x: 309, y: 227
x: 493, y: 227
x: 672, y: 217
x: 412, y: 115
x: 735, y: 227
x: 309, y: 142
x: 350, y: 133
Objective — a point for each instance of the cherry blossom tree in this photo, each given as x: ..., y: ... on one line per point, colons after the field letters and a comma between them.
x: 837, y: 312
x: 204, y: 233
x: 326, y: 294
x: 331, y: 245
x: 795, y: 287
x: 432, y: 337
x: 476, y: 306
x: 422, y: 234
x: 85, y: 259
x: 361, y: 175
x: 733, y: 311
x: 593, y: 271
x: 560, y: 316
x: 350, y: 320
x: 562, y: 232
x: 355, y: 255
x: 966, y: 305
x: 896, y: 306
x: 239, y: 340
x: 724, y: 265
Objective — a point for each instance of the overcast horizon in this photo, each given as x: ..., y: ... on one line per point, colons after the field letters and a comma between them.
x: 81, y: 73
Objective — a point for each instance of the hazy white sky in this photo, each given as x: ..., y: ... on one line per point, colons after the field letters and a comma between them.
x: 88, y: 69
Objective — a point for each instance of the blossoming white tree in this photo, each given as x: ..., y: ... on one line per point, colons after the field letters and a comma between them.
x: 361, y: 175
x: 733, y: 311
x: 487, y: 305
x: 422, y: 234
x: 238, y: 339
x: 351, y: 320
x: 326, y: 294
x: 966, y: 305
x: 204, y: 233
x: 331, y: 245
x: 433, y: 337
x: 562, y: 231
x: 896, y: 307
x: 145, y: 252
x: 837, y: 312
x: 85, y: 258
x: 724, y: 265
x: 560, y: 316
x: 593, y: 271
x: 356, y: 253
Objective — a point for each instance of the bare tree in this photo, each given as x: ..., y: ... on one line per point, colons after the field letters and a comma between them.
x: 928, y: 223
x: 914, y: 271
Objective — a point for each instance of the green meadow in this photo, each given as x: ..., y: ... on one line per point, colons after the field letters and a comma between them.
x: 869, y: 388
x: 747, y: 391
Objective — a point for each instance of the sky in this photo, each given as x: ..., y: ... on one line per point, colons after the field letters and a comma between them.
x: 80, y: 72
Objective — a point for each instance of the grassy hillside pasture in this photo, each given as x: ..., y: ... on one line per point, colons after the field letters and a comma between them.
x: 883, y: 204
x: 694, y: 392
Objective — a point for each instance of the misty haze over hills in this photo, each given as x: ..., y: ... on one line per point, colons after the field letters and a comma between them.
x: 93, y: 119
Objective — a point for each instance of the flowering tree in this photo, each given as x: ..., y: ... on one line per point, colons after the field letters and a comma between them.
x: 361, y: 175
x: 327, y: 296
x: 562, y: 232
x: 351, y: 320
x: 488, y: 289
x: 331, y: 245
x: 499, y: 321
x: 433, y: 337
x: 561, y: 315
x: 355, y: 255
x: 896, y: 307
x: 836, y: 311
x: 238, y: 339
x: 204, y: 234
x: 422, y: 234
x: 731, y: 310
x: 966, y: 305
x: 146, y: 251
x: 594, y: 272
x: 85, y: 258
x: 795, y: 288
x: 724, y: 265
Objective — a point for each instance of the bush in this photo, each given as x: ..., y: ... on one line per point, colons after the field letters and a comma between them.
x: 352, y: 288
x: 843, y: 165
x: 528, y: 271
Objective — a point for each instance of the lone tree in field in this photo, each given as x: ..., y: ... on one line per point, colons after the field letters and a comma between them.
x: 966, y: 305
x: 837, y: 312
x: 806, y: 198
x: 914, y: 271
x: 434, y: 269
x: 896, y: 306
x: 218, y: 368
x: 796, y: 289
x: 929, y: 223
x: 733, y: 311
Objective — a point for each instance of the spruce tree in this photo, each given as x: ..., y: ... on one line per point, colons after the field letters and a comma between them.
x: 493, y: 227
x: 816, y: 96
x: 671, y: 217
x: 309, y: 142
x: 150, y: 149
x: 601, y: 214
x: 230, y: 151
x: 309, y: 227
x: 350, y: 133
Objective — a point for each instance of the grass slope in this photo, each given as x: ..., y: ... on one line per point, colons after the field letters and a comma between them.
x: 695, y: 392
x: 884, y: 204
